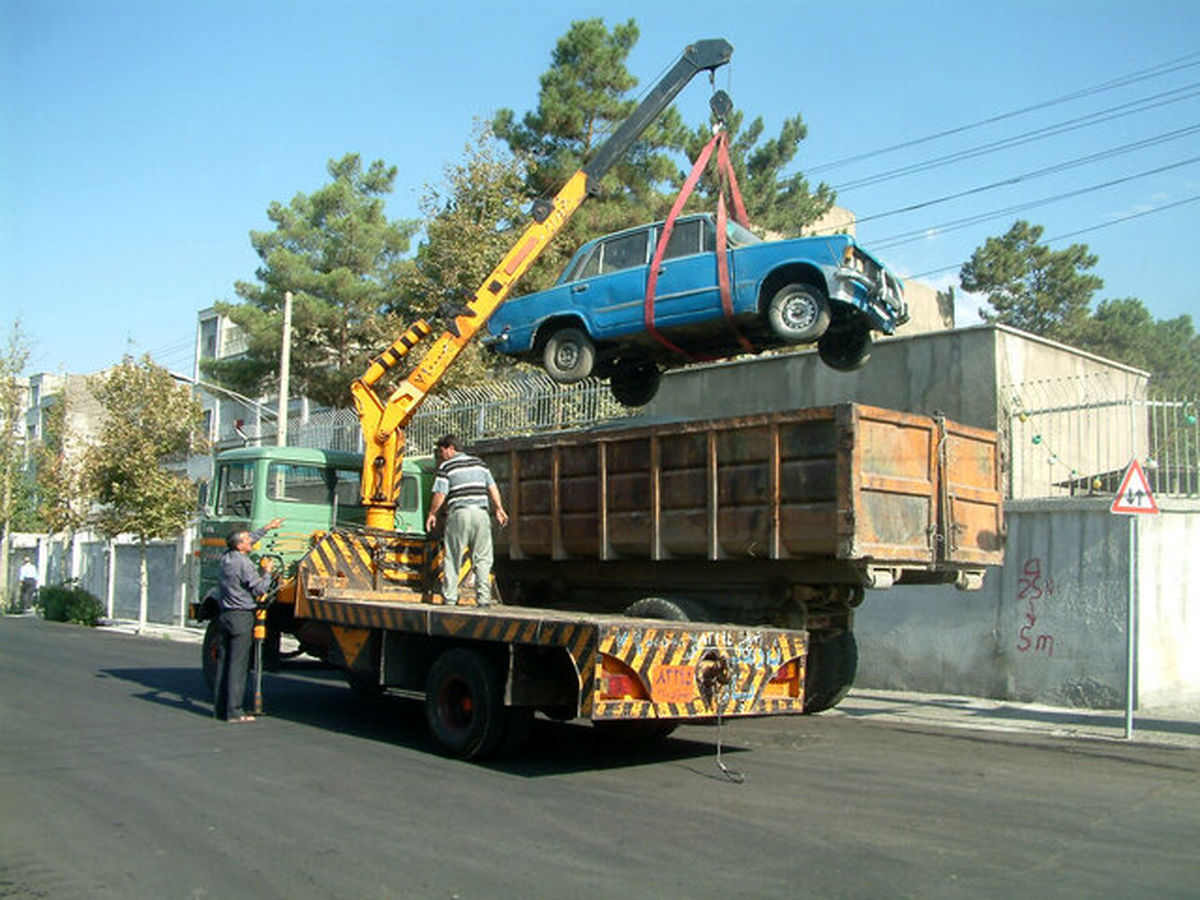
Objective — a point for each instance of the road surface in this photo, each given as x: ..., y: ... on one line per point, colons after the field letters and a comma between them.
x: 115, y: 782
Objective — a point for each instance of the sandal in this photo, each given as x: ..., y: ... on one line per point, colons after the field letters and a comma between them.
x: 242, y: 719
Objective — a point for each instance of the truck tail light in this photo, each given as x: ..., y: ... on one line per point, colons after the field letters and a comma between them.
x: 619, y: 682
x: 785, y: 682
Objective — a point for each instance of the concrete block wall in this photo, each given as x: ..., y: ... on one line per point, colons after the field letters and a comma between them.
x: 1050, y: 625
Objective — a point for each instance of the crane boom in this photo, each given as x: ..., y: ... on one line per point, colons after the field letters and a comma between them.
x: 383, y: 419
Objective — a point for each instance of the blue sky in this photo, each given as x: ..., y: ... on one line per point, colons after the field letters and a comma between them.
x: 140, y: 142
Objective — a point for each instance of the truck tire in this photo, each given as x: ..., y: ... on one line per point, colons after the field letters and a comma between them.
x: 845, y: 349
x: 464, y: 704
x: 208, y: 653
x: 667, y: 609
x: 832, y: 664
x: 634, y: 384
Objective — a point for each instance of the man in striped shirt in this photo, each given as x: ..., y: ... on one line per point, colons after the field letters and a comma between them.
x: 463, y: 485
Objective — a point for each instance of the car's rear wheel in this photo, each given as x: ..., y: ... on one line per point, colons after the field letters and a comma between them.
x: 569, y: 355
x: 634, y: 383
x: 845, y: 349
x: 799, y: 313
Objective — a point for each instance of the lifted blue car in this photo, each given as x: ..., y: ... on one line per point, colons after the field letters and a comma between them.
x: 826, y: 290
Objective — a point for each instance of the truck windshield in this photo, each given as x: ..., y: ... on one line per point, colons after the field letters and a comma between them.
x: 298, y: 483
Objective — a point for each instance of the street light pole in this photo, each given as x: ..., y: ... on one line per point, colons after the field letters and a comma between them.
x: 285, y: 364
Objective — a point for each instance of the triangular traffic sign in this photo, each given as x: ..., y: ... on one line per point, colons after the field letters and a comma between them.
x: 1134, y: 495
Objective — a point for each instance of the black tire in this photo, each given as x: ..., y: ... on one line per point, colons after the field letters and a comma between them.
x: 569, y: 355
x: 634, y: 384
x: 668, y: 610
x: 798, y: 313
x: 832, y: 664
x: 845, y: 349
x: 208, y: 653
x: 464, y: 704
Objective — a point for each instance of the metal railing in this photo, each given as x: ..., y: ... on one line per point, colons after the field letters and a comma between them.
x: 1072, y: 437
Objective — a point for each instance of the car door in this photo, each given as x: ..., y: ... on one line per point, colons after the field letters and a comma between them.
x: 687, y: 290
x: 611, y: 284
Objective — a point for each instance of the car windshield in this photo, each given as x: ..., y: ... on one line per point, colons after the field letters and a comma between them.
x: 739, y: 236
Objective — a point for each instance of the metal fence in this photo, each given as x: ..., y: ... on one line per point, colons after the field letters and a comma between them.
x: 1060, y: 437
x: 529, y: 405
x: 1073, y: 436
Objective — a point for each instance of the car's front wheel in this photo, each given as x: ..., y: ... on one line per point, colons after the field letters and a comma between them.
x: 569, y: 355
x: 798, y: 313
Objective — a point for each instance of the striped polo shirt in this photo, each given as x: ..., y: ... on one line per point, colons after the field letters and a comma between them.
x: 464, y: 479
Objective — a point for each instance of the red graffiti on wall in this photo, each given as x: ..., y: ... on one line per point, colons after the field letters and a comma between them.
x: 1033, y: 584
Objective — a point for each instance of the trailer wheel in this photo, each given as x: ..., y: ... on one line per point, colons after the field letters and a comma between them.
x: 832, y: 664
x: 209, y: 651
x: 464, y: 704
x: 667, y: 609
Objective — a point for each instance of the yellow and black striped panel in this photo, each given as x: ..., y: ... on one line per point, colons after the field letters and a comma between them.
x: 666, y: 660
x: 365, y: 559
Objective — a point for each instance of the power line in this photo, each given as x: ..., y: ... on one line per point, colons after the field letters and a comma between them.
x: 1096, y: 118
x: 954, y: 225
x: 1076, y: 233
x: 1038, y: 173
x: 1166, y: 68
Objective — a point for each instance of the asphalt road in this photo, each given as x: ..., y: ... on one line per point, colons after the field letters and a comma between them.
x: 116, y: 782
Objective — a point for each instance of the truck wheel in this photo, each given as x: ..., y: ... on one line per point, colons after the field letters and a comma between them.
x: 464, y: 704
x: 208, y: 653
x: 832, y: 664
x: 798, y: 313
x: 569, y: 355
x: 669, y: 610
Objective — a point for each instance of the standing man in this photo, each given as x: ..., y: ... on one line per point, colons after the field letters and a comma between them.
x: 239, y: 584
x: 29, y: 583
x: 463, y: 484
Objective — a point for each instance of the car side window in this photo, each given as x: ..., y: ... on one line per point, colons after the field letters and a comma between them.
x: 624, y: 252
x: 685, y: 239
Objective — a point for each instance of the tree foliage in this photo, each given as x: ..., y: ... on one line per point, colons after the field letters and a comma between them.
x: 470, y: 223
x: 342, y: 259
x: 583, y: 98
x: 149, y: 421
x: 1029, y: 286
x: 62, y: 490
x: 1049, y: 293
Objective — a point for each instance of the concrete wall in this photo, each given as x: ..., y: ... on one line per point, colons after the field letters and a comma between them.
x: 1049, y: 626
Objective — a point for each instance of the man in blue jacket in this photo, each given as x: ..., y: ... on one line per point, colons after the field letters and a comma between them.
x: 239, y: 585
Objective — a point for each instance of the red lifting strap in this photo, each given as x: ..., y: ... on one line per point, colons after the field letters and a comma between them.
x: 719, y: 141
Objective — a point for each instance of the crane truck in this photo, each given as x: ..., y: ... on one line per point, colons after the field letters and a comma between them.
x: 647, y: 582
x: 361, y: 598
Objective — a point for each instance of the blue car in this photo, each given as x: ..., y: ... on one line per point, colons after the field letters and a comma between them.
x: 826, y: 290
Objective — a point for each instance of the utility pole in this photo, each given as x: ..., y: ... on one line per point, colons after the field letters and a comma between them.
x: 285, y: 363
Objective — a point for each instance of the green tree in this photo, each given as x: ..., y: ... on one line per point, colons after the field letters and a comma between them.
x: 583, y: 98
x: 470, y: 221
x: 1169, y: 349
x: 63, y: 500
x: 1029, y: 286
x: 775, y: 201
x: 13, y: 358
x: 149, y: 421
x: 341, y: 258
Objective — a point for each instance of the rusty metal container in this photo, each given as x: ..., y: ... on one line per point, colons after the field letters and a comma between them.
x: 873, y: 494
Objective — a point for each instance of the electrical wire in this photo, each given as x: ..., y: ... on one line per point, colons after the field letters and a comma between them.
x: 1166, y: 68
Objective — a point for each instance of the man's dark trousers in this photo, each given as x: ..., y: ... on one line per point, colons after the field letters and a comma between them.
x: 236, y: 630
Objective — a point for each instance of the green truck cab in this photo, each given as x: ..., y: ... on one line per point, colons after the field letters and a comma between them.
x: 313, y: 491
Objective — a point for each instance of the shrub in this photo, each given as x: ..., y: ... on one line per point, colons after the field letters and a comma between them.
x: 70, y: 604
